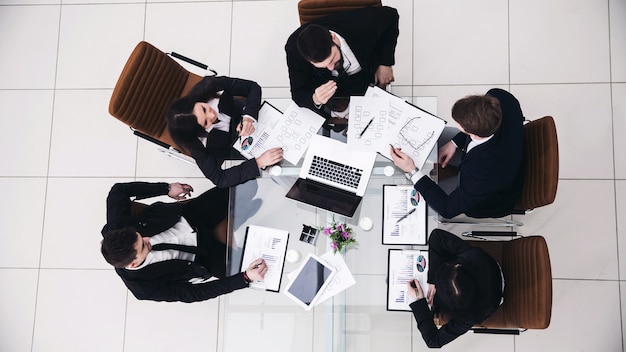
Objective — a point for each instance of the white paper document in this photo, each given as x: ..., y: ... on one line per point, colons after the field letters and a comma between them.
x: 404, y: 266
x: 405, y: 217
x: 394, y: 121
x: 271, y: 245
x: 291, y: 131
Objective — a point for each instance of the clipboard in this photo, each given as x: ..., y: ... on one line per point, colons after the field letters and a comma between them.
x: 405, y: 216
x: 402, y: 266
x: 271, y: 245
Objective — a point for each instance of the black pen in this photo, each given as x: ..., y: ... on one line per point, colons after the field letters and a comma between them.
x: 365, y: 129
x: 261, y: 262
x: 406, y: 215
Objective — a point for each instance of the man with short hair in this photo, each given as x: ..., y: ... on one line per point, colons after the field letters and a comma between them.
x: 337, y: 56
x: 490, y: 173
x: 169, y: 251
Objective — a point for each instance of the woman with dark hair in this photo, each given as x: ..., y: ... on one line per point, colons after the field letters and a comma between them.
x: 465, y: 283
x: 207, y: 121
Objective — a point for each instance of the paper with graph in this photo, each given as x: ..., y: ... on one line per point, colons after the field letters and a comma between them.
x: 394, y: 121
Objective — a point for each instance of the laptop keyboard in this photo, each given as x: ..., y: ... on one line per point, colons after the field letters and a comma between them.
x: 335, y: 172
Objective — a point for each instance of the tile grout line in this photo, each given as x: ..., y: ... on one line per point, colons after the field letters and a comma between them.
x: 47, y: 183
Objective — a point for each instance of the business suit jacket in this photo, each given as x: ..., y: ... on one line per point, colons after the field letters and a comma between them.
x: 171, y: 280
x: 445, y: 247
x: 371, y: 33
x: 490, y: 175
x: 219, y: 143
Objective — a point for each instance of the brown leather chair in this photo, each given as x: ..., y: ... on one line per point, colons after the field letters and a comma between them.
x: 148, y: 84
x: 541, y: 172
x: 525, y: 263
x: 309, y: 10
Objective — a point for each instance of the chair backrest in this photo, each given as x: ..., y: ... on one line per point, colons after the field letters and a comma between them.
x: 148, y: 84
x: 541, y: 164
x: 527, y: 273
x: 309, y: 10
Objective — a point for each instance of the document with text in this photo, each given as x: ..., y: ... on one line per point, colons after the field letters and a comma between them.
x: 404, y: 266
x: 291, y: 131
x: 271, y: 245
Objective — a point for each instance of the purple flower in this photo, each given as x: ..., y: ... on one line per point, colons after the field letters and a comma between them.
x: 345, y: 235
x: 339, y: 228
x: 333, y: 245
x: 327, y: 231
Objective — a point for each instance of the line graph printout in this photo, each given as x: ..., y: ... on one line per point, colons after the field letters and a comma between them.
x: 409, y: 127
x: 405, y: 218
x: 291, y: 131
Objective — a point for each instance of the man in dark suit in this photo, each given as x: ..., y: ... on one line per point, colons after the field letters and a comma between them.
x: 168, y: 251
x: 465, y: 283
x: 490, y: 173
x: 334, y: 57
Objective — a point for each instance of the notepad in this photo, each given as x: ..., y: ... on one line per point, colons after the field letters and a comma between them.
x: 271, y: 245
x: 405, y: 215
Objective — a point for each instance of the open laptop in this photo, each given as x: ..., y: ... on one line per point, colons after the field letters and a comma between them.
x: 333, y: 177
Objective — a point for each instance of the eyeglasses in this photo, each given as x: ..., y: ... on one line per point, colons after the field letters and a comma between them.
x: 409, y: 130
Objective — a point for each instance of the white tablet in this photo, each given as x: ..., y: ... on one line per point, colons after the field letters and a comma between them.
x: 309, y: 281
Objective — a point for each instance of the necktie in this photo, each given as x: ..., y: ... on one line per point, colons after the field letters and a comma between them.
x: 178, y: 247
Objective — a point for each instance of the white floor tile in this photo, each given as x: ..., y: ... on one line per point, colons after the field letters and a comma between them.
x: 260, y: 31
x: 17, y: 308
x: 86, y: 140
x: 22, y: 221
x: 29, y: 51
x: 619, y: 126
x: 94, y: 56
x: 617, y: 33
x: 584, y: 318
x: 75, y: 214
x: 460, y: 43
x: 198, y: 30
x: 79, y: 310
x: 178, y: 326
x: 31, y: 111
x: 548, y: 38
x: 620, y: 204
x: 403, y: 69
x: 582, y: 114
x: 579, y: 224
x: 153, y: 162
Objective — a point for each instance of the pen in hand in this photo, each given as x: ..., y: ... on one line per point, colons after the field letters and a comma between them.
x: 406, y: 215
x: 240, y: 128
x: 257, y: 265
x: 365, y: 129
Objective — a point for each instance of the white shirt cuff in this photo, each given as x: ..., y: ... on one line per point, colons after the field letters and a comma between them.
x: 419, y: 174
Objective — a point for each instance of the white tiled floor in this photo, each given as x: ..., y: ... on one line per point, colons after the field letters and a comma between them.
x: 61, y: 151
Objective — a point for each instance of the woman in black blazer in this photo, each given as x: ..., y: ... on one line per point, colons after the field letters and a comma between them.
x: 207, y: 121
x: 464, y: 282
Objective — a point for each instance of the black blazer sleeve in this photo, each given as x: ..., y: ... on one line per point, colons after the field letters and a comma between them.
x: 233, y: 87
x: 433, y: 336
x: 183, y: 290
x: 118, y: 201
x: 211, y: 168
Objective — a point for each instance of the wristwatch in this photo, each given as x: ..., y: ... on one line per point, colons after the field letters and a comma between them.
x: 408, y: 175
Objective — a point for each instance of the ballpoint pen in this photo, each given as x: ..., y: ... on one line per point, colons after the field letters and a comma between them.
x: 257, y: 265
x: 365, y: 129
x: 406, y: 215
